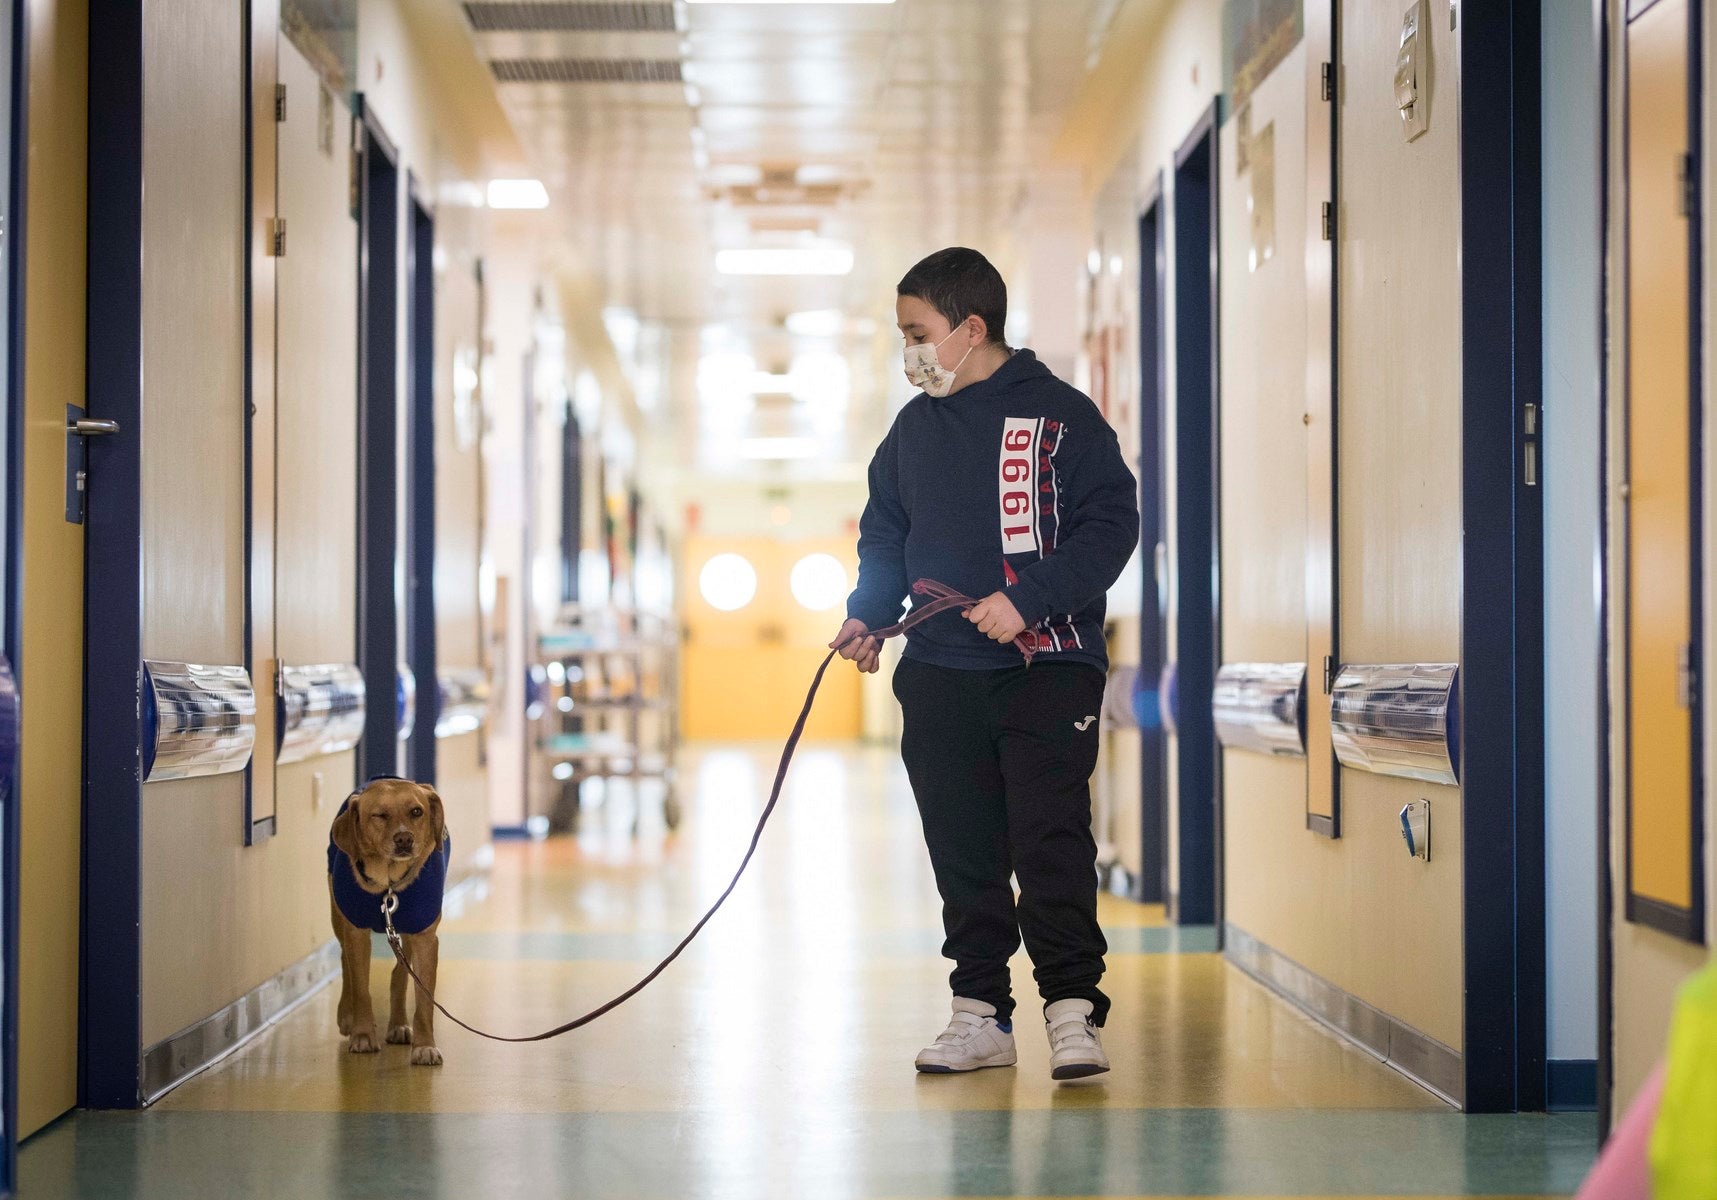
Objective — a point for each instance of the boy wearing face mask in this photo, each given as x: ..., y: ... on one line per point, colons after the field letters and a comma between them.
x: 1002, y: 482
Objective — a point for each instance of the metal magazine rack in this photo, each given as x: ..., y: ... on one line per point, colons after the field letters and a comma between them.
x: 610, y: 708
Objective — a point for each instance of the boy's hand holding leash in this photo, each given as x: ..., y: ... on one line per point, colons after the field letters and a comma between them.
x: 855, y: 644
x: 995, y: 616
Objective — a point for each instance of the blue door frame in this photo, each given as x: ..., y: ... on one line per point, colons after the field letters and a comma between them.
x: 1151, y: 887
x: 1198, y: 541
x: 16, y: 23
x: 1502, y: 591
x: 378, y: 442
x: 420, y: 651
x: 110, y: 954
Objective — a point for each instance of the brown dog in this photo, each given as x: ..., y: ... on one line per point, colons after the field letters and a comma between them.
x: 389, y: 833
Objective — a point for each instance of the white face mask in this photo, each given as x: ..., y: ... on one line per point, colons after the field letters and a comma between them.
x: 924, y: 370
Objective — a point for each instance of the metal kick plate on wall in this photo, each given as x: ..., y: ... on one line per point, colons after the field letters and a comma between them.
x: 464, y: 702
x: 1261, y: 707
x: 1399, y: 719
x: 197, y: 720
x: 405, y: 700
x: 321, y: 710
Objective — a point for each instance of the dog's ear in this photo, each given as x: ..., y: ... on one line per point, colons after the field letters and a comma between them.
x: 437, y: 814
x: 345, y: 830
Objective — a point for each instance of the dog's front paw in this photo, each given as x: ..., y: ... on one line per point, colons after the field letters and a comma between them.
x: 399, y: 1035
x: 363, y: 1042
x: 425, y: 1056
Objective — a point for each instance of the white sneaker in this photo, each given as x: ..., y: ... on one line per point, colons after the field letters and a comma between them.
x: 972, y: 1041
x: 1075, y: 1047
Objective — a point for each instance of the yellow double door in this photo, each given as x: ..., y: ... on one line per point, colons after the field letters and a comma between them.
x: 744, y: 669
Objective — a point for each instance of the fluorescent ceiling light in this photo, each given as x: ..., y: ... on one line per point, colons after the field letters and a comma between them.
x: 517, y: 193
x: 817, y: 174
x: 821, y: 322
x: 461, y: 193
x: 798, y: 260
x: 765, y: 384
x: 779, y: 447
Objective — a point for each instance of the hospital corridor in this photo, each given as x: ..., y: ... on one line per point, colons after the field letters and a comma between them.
x: 857, y: 600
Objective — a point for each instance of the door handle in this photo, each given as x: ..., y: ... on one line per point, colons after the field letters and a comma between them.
x: 79, y: 429
x: 92, y: 427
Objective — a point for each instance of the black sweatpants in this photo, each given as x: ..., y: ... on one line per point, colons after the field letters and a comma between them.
x: 1000, y: 763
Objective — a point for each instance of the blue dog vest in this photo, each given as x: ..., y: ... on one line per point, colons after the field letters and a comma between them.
x: 419, y: 904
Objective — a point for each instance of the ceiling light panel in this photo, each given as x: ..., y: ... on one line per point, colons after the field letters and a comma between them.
x: 781, y: 84
x: 765, y: 3
x: 790, y: 18
x: 765, y: 448
x: 817, y: 322
x: 731, y: 118
x: 517, y: 193
x: 820, y: 45
x: 794, y: 260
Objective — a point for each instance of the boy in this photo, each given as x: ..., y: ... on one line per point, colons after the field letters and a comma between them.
x: 1003, y: 483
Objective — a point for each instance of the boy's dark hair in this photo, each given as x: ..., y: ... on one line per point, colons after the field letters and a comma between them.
x: 961, y: 283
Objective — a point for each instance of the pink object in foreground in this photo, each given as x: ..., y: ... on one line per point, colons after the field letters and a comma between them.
x: 1623, y: 1170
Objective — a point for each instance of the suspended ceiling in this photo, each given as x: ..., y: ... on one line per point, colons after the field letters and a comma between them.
x: 668, y: 132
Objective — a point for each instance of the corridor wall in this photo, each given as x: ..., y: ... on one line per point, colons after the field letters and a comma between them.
x: 1159, y: 71
x: 1374, y: 508
x: 235, y: 913
x: 198, y: 873
x: 422, y: 78
x: 1355, y: 910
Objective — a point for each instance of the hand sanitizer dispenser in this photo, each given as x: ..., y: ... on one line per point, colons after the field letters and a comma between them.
x: 1411, y: 74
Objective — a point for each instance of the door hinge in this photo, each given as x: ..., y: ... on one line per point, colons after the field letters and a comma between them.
x: 1329, y: 673
x: 1328, y: 75
x: 355, y: 169
x: 1686, y: 675
x: 1689, y: 186
x: 280, y: 102
x: 1329, y: 221
x: 277, y: 237
x: 1531, y: 465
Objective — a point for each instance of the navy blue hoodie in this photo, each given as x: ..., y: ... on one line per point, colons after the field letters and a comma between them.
x: 1014, y: 483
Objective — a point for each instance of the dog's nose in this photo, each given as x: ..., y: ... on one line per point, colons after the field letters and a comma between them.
x: 402, y: 841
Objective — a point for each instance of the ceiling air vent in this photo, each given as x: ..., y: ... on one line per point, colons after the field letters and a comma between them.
x: 561, y: 16
x: 586, y: 70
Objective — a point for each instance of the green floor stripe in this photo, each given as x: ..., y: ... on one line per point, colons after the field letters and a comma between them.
x: 747, y: 1150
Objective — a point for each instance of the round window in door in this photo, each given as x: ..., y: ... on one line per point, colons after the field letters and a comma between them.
x: 819, y: 581
x: 728, y: 582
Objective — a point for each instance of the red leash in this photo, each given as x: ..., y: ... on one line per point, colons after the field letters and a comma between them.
x: 943, y: 599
